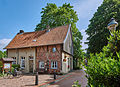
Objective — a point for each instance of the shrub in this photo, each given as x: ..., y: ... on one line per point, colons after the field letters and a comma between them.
x: 76, y: 84
x: 1, y: 65
x: 16, y: 66
x: 103, y: 71
x: 104, y: 68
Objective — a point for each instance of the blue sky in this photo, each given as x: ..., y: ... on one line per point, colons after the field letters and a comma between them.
x: 25, y: 14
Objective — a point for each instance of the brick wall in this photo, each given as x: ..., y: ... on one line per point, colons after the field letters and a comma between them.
x: 45, y: 53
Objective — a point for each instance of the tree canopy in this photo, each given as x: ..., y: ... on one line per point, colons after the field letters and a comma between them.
x: 54, y: 16
x: 57, y: 16
x: 97, y: 29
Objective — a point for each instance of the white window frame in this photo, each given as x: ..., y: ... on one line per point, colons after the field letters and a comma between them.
x: 41, y: 65
x: 22, y: 59
x: 54, y: 64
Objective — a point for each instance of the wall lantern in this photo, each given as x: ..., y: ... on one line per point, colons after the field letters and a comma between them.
x: 54, y: 49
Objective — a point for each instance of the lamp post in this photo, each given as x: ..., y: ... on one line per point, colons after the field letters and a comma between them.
x: 112, y: 25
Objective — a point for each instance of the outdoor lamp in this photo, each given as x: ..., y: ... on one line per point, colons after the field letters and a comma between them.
x: 112, y: 25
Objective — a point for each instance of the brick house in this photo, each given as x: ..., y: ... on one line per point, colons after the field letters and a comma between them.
x: 43, y: 51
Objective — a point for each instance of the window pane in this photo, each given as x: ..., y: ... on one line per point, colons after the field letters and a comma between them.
x: 41, y: 64
x: 54, y: 64
x: 23, y: 62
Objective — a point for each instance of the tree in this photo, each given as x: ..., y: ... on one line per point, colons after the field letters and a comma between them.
x: 97, y: 29
x: 57, y: 16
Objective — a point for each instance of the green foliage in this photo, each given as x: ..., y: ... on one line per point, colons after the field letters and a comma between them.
x: 57, y: 16
x: 104, y: 68
x: 103, y: 71
x: 54, y: 16
x: 1, y: 65
x: 97, y: 29
x: 76, y: 84
x: 3, y: 54
x: 16, y: 66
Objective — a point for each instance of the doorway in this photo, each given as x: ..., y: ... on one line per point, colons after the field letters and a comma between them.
x: 31, y: 64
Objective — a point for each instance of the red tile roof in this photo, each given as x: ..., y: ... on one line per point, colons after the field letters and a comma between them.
x: 39, y: 38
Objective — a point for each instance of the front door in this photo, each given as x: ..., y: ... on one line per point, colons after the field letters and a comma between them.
x: 30, y: 65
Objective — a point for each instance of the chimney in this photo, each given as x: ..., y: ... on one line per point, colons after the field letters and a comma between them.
x: 21, y: 32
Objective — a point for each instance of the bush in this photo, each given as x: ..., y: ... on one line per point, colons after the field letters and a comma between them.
x: 104, y: 68
x: 16, y: 66
x: 76, y: 84
x: 103, y: 71
x: 1, y: 65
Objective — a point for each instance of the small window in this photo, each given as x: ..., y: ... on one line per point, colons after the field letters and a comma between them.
x: 14, y: 62
x: 30, y: 57
x: 22, y: 62
x: 41, y: 64
x: 54, y: 49
x: 54, y: 64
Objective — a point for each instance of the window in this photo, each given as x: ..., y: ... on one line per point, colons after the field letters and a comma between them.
x: 41, y: 64
x: 54, y: 49
x: 54, y: 64
x: 30, y: 57
x: 22, y: 62
x: 14, y: 62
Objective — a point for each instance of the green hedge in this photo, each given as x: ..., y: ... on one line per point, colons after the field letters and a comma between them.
x: 103, y: 71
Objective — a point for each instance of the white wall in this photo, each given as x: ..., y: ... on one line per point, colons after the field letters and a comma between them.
x: 65, y: 68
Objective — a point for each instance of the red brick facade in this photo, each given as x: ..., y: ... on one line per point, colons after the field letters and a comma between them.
x: 46, y: 54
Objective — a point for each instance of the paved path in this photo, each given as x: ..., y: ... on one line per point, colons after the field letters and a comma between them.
x: 68, y: 82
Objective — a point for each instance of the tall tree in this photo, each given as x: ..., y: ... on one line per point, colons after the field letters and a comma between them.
x: 97, y: 29
x: 57, y: 16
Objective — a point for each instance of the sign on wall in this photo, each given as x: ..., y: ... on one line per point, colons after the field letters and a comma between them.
x: 6, y: 65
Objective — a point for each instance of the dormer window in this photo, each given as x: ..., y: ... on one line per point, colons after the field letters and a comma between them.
x: 54, y: 49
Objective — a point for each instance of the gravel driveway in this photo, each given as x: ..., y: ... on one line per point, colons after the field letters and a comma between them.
x: 24, y: 81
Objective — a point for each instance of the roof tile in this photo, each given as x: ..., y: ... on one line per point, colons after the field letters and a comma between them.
x: 39, y: 38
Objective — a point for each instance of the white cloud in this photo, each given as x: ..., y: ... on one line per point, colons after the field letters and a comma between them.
x: 3, y: 43
x: 86, y: 8
x: 84, y: 46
